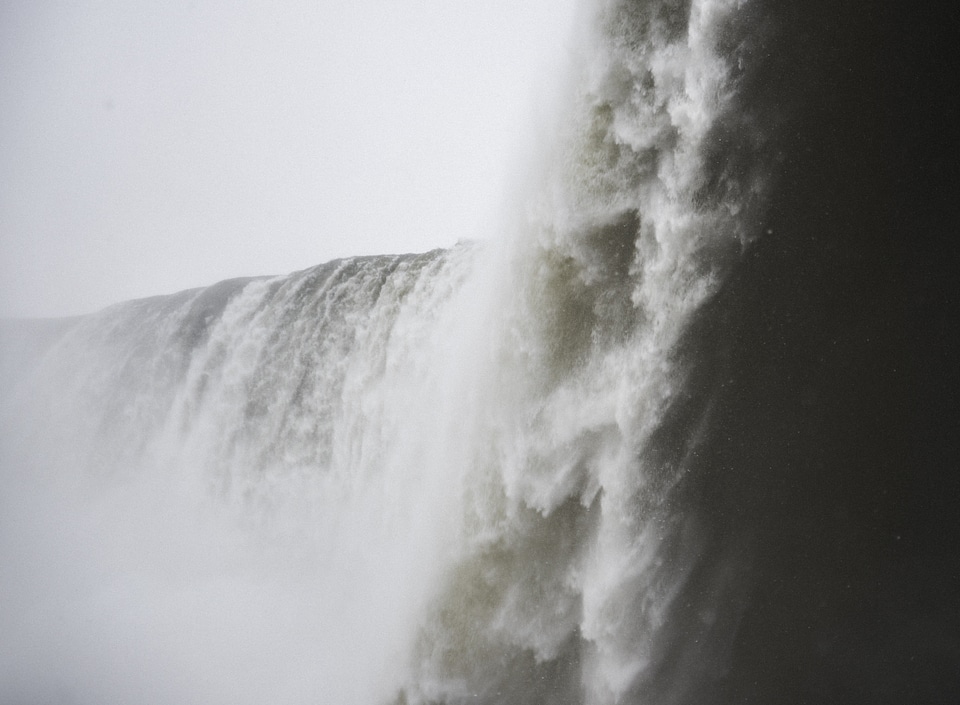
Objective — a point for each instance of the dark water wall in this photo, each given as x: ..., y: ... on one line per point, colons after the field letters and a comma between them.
x: 832, y: 457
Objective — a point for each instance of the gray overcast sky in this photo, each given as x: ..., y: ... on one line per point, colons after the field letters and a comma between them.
x: 148, y: 147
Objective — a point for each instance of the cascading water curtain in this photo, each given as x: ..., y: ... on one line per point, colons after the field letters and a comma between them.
x: 413, y: 479
x: 573, y: 543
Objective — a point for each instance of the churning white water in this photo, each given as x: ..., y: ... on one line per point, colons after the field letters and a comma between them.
x: 398, y: 479
x: 243, y: 493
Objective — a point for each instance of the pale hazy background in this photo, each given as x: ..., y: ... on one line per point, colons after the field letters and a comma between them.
x: 148, y: 147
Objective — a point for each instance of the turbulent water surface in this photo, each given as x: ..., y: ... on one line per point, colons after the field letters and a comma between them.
x: 682, y: 433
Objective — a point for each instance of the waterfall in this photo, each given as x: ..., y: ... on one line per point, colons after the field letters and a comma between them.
x: 525, y: 470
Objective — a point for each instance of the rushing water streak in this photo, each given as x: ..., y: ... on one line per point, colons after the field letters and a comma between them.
x: 564, y: 567
x: 577, y: 464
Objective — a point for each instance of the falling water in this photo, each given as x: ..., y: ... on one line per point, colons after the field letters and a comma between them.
x: 475, y: 475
